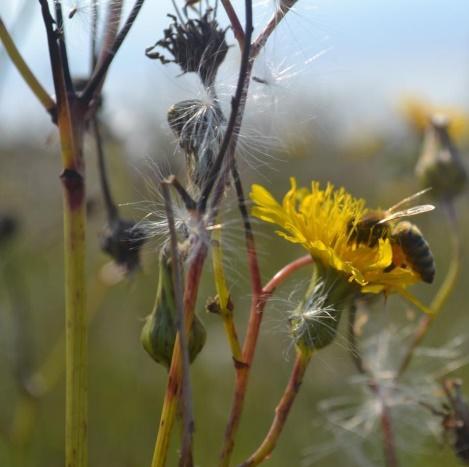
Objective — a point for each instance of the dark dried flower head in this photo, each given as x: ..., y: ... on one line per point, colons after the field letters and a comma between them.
x: 198, y: 46
x: 8, y: 227
x: 122, y: 240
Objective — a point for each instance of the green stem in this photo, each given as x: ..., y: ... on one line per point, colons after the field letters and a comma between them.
x: 171, y: 400
x: 441, y: 296
x: 24, y: 70
x: 225, y: 310
x: 76, y: 321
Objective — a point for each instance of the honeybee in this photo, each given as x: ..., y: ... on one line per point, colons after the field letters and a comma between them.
x: 410, y: 249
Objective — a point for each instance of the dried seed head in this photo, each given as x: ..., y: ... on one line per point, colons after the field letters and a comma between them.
x: 440, y: 165
x: 122, y: 240
x: 8, y: 227
x: 198, y: 46
x: 159, y: 331
x: 314, y: 322
x: 199, y: 127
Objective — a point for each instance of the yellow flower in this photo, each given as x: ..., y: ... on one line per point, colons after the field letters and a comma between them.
x: 418, y: 112
x: 319, y: 220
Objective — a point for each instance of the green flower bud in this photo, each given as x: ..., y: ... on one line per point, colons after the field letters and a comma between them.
x: 314, y: 322
x: 440, y: 166
x: 159, y: 331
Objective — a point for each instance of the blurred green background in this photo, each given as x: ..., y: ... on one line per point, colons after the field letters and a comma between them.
x: 334, y: 420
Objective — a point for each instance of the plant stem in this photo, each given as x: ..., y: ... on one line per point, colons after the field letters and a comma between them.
x: 214, y: 178
x: 282, y: 410
x: 71, y: 123
x: 235, y: 23
x: 186, y: 393
x: 283, y: 8
x: 44, y: 98
x: 97, y: 79
x: 76, y: 320
x: 352, y: 340
x: 225, y: 310
x: 173, y: 388
x: 111, y: 208
x: 389, y: 445
x: 441, y: 296
x: 242, y: 373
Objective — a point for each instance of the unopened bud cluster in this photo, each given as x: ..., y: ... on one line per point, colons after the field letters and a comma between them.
x: 440, y: 165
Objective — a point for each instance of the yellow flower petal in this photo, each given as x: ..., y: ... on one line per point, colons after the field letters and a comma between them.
x: 319, y: 220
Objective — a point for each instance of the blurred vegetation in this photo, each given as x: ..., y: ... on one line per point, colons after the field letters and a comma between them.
x: 126, y: 388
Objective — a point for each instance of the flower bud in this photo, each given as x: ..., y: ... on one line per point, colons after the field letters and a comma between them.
x: 440, y: 166
x: 160, y: 329
x: 314, y: 322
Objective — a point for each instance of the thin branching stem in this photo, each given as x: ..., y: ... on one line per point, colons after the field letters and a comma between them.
x: 284, y: 7
x: 94, y: 85
x: 42, y: 95
x: 170, y: 404
x: 94, y: 34
x: 224, y: 301
x: 234, y: 122
x: 242, y: 373
x: 186, y: 393
x: 70, y: 120
x: 111, y: 208
x: 389, y: 444
x: 281, y: 411
x: 186, y: 198
x: 60, y: 32
x: 235, y: 23
x: 442, y: 295
x: 353, y: 343
x: 113, y: 19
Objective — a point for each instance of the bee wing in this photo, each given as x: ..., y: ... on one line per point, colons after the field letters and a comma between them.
x: 408, y: 199
x: 414, y: 211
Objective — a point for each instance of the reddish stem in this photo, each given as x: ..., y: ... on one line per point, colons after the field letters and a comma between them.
x: 242, y: 371
x: 281, y: 411
x: 235, y: 23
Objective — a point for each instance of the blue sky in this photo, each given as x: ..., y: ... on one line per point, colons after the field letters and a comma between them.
x: 365, y: 54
